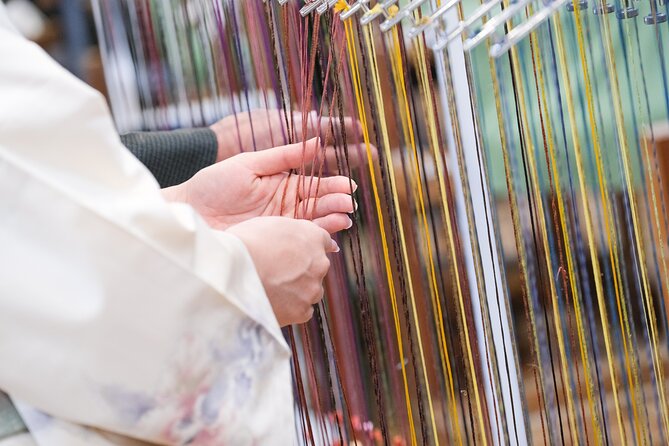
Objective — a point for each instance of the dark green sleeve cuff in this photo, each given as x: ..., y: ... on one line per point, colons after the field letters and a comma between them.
x: 173, y: 156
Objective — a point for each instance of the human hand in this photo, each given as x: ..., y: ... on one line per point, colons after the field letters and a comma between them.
x: 295, y: 282
x: 258, y: 184
x: 262, y: 129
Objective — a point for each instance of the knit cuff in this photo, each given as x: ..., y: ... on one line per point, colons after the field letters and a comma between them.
x: 173, y: 156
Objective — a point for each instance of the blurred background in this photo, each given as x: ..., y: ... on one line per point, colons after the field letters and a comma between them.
x: 66, y: 30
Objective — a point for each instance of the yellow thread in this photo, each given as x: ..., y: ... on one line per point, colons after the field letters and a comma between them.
x: 567, y: 244
x: 613, y: 252
x: 355, y: 74
x: 520, y: 247
x: 473, y: 236
x: 434, y: 142
x: 340, y: 6
x: 652, y: 192
x: 544, y: 238
x: 597, y: 274
x: 611, y: 65
x: 407, y: 127
x: 384, y: 132
x: 376, y: 9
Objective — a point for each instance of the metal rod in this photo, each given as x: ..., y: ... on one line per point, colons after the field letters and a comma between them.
x: 519, y: 32
x: 353, y: 9
x: 653, y: 19
x: 325, y: 6
x: 580, y: 5
x: 401, y: 14
x: 445, y: 40
x: 627, y: 13
x: 478, y: 13
x: 432, y: 20
x: 493, y: 23
x: 379, y: 10
x: 603, y: 8
x: 310, y: 7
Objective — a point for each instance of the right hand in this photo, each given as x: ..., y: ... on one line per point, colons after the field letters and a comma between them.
x: 258, y: 184
x: 291, y: 259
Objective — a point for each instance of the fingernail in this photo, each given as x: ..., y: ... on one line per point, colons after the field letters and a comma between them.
x: 335, y: 246
x: 355, y: 185
x: 350, y: 223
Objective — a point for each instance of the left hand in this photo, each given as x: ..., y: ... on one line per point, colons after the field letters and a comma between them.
x: 261, y: 129
x: 259, y: 184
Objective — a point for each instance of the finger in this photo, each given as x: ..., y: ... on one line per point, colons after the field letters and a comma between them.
x: 329, y: 204
x: 307, y: 124
x: 307, y: 315
x: 328, y: 126
x: 357, y: 155
x: 332, y: 128
x: 314, y: 187
x: 329, y: 245
x: 334, y: 223
x: 281, y: 159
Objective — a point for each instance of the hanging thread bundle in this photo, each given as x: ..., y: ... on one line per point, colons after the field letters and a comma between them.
x: 504, y: 281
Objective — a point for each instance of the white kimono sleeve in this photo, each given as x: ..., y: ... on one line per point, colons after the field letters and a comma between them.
x: 118, y: 310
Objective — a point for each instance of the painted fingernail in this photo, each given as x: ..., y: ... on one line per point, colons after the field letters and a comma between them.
x: 355, y: 186
x: 335, y: 246
x: 355, y: 207
x: 350, y: 223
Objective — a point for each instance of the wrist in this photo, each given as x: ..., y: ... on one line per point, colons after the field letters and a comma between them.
x: 225, y: 138
x: 175, y: 193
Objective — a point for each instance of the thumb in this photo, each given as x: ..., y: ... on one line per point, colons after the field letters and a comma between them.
x: 283, y: 158
x: 329, y: 243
